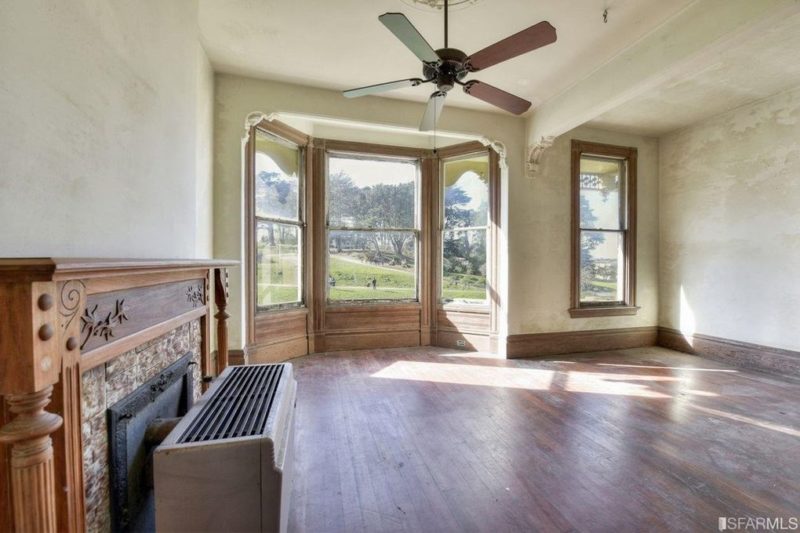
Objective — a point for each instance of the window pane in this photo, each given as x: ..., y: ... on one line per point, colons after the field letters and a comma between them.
x: 464, y: 266
x: 278, y: 266
x: 277, y: 186
x: 600, y: 193
x: 466, y: 192
x: 602, y: 266
x: 371, y: 193
x: 372, y: 265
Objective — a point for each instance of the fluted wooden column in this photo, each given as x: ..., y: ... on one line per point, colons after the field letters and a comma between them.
x: 221, y: 295
x: 32, y: 482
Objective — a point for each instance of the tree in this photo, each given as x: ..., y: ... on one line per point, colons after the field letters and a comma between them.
x: 589, y: 241
x: 277, y: 196
x: 455, y: 215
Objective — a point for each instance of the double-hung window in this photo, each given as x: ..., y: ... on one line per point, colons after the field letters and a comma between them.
x: 278, y: 210
x: 604, y: 238
x: 465, y: 223
x: 372, y: 227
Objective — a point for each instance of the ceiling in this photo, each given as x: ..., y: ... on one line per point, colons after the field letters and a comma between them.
x: 747, y: 69
x: 341, y: 44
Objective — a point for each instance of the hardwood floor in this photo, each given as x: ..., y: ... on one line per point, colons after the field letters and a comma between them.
x: 429, y: 439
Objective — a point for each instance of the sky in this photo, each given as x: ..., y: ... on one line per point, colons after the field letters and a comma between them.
x: 366, y: 172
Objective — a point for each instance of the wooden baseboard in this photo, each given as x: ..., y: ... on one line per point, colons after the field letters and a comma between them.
x: 478, y: 342
x: 564, y: 342
x: 277, y: 351
x: 237, y: 357
x: 735, y: 353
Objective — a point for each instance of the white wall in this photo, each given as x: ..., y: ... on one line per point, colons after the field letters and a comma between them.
x: 730, y: 224
x: 540, y: 240
x: 236, y: 97
x: 105, y: 125
x: 204, y: 113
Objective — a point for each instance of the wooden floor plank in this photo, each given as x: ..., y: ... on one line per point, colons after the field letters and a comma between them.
x: 429, y: 439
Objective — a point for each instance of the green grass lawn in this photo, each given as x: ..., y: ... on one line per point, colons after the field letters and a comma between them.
x: 352, y: 279
x: 274, y: 294
x: 464, y: 294
x: 276, y: 279
x: 463, y: 287
x: 600, y: 291
x: 277, y: 275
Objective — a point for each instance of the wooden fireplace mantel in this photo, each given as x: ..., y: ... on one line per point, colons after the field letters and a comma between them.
x: 59, y: 318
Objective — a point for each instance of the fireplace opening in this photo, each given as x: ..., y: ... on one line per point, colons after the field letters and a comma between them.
x: 136, y: 424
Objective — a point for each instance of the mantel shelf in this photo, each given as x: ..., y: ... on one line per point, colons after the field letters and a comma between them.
x: 59, y: 268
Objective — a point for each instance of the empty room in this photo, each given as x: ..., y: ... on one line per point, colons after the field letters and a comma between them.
x: 399, y: 265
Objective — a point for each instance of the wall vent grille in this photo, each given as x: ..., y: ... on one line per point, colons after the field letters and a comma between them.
x: 240, y: 408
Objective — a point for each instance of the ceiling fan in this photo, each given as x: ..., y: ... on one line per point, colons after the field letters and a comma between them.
x: 447, y: 67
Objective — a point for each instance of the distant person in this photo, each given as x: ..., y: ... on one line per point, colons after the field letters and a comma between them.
x: 374, y: 283
x: 331, y: 281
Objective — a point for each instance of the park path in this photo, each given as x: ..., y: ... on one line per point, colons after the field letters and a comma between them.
x: 357, y: 262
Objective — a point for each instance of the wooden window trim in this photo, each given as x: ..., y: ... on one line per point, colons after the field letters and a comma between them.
x: 316, y: 306
x: 453, y: 310
x: 302, y: 140
x: 492, y: 230
x: 628, y: 306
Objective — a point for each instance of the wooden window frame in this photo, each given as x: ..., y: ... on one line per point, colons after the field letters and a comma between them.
x: 628, y: 305
x: 375, y: 153
x: 492, y: 228
x: 275, y: 332
x: 291, y: 135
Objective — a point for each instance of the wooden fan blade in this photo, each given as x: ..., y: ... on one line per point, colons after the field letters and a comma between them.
x: 527, y: 40
x: 497, y: 97
x: 381, y: 87
x: 431, y: 117
x: 402, y: 28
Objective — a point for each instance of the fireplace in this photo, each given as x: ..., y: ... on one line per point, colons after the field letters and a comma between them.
x: 121, y: 387
x: 133, y: 423
x: 79, y: 340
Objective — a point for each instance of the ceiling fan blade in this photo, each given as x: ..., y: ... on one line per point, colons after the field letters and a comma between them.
x: 431, y: 117
x: 525, y: 41
x: 402, y: 28
x: 497, y: 97
x: 381, y: 87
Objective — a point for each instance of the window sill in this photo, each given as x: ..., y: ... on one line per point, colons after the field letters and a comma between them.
x: 616, y: 310
x: 299, y: 309
x: 482, y: 309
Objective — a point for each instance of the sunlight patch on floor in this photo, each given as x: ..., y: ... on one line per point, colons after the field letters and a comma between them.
x: 533, y: 379
x: 693, y: 369
x: 748, y: 420
x: 487, y: 376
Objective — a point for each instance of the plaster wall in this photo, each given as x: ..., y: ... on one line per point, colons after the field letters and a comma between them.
x: 730, y: 224
x: 106, y: 129
x: 540, y: 240
x: 237, y: 96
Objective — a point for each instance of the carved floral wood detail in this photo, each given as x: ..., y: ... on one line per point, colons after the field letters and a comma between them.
x: 195, y: 295
x: 92, y: 326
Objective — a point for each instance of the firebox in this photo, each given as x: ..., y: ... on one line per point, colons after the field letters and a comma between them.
x: 133, y: 424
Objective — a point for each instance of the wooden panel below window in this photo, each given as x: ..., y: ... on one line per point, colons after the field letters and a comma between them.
x: 335, y: 342
x: 371, y: 326
x: 366, y: 318
x: 465, y: 321
x: 279, y: 335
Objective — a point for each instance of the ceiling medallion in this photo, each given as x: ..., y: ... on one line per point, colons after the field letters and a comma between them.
x: 439, y: 4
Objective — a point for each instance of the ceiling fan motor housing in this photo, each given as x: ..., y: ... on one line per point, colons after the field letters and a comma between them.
x: 450, y: 69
